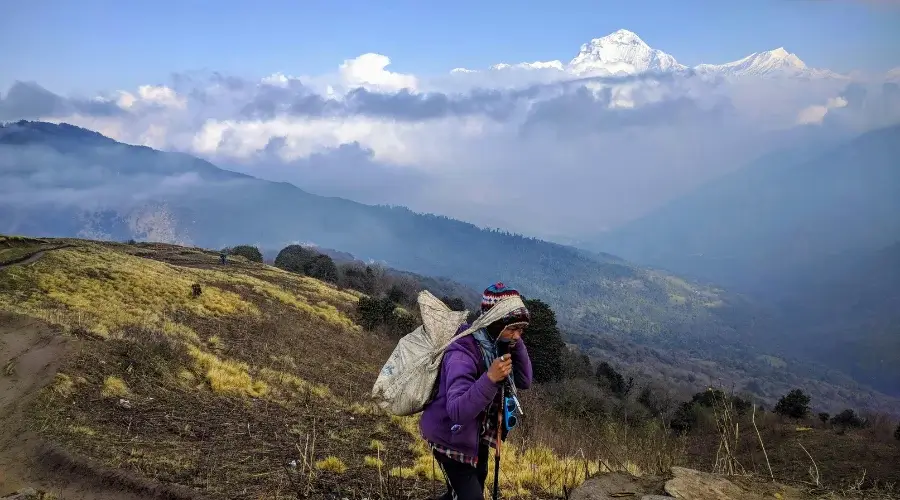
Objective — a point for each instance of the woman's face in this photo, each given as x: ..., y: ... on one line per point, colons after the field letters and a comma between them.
x: 513, y: 332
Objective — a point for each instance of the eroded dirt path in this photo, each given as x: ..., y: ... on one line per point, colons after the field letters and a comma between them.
x: 31, y: 353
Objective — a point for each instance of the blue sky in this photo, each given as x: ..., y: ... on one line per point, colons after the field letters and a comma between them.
x: 89, y: 45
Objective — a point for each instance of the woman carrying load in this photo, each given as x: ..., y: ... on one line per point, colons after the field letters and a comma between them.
x: 461, y: 422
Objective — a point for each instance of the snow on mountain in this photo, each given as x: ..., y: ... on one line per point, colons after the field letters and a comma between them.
x: 778, y: 62
x: 624, y: 52
x: 621, y: 52
x: 532, y: 65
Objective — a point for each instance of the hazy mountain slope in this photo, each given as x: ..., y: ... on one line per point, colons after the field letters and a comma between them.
x: 597, y: 296
x: 120, y: 373
x: 846, y: 312
x: 125, y: 191
x: 775, y: 216
x: 439, y: 286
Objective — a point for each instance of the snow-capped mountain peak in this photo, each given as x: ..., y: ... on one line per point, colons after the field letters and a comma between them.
x: 624, y: 52
x: 778, y: 62
x: 620, y: 52
x: 623, y: 37
x: 532, y: 65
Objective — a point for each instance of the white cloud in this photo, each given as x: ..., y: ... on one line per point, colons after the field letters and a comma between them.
x: 368, y: 70
x: 815, y: 114
x: 527, y: 146
x: 158, y: 95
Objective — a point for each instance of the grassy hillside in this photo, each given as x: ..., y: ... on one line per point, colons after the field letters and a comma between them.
x: 255, y: 388
x: 258, y: 388
x: 597, y: 296
x: 189, y: 200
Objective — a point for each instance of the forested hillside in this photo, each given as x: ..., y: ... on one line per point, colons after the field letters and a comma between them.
x: 90, y: 185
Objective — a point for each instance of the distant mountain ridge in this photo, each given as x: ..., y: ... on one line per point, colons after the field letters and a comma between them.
x: 102, y: 189
x: 769, y: 63
x: 224, y: 208
x: 624, y: 52
x: 810, y: 233
x: 845, y: 311
x: 759, y: 224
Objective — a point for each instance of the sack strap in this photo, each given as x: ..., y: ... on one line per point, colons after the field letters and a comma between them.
x: 500, y: 309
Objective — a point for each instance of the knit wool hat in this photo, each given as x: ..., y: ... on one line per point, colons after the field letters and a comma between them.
x: 497, y: 292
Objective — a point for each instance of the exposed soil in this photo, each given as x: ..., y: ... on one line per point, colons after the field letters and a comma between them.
x: 31, y: 352
x: 24, y: 261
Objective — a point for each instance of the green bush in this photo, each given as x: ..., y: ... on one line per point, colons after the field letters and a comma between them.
x: 794, y: 404
x: 711, y: 398
x: 608, y: 377
x: 373, y: 312
x: 249, y: 252
x: 359, y: 278
x: 576, y: 365
x: 300, y: 260
x: 686, y: 417
x: 848, y: 419
x: 385, y: 313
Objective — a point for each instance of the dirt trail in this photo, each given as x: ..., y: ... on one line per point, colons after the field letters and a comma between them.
x: 28, y: 259
x: 31, y: 352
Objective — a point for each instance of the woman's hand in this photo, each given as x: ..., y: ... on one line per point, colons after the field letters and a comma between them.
x: 500, y: 369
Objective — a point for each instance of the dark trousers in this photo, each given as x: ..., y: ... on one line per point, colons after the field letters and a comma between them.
x: 464, y: 482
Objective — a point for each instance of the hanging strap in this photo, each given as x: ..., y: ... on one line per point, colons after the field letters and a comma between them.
x: 500, y: 309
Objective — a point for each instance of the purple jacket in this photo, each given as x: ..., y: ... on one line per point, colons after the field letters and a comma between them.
x: 453, y: 418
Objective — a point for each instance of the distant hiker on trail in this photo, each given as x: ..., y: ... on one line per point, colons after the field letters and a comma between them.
x: 461, y: 422
x: 222, y: 257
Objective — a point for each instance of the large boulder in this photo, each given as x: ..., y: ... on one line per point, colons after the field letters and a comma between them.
x: 618, y: 485
x: 684, y: 484
x: 690, y: 484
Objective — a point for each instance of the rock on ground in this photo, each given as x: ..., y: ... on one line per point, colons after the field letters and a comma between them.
x: 617, y: 485
x: 689, y: 484
x: 684, y: 484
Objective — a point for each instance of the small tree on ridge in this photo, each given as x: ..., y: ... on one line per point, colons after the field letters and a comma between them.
x: 794, y: 404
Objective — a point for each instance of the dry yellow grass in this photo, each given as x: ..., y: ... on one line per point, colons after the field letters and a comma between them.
x: 293, y: 384
x: 82, y: 429
x: 106, y: 290
x: 114, y: 387
x: 310, y: 289
x: 227, y: 376
x: 103, y: 290
x: 331, y: 464
x: 63, y: 385
x: 535, y: 469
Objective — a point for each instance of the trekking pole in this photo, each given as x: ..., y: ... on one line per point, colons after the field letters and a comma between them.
x: 499, y: 438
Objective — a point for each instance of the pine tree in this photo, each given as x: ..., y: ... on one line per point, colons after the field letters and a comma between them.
x: 794, y: 404
x: 544, y: 341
